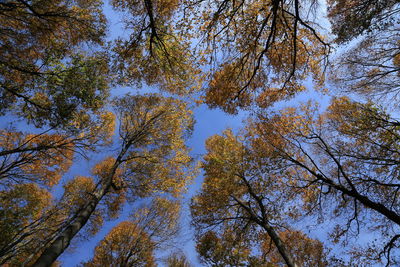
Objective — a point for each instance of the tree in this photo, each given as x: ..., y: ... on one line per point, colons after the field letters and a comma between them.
x: 235, y: 249
x: 153, y: 159
x: 125, y: 245
x: 351, y: 18
x: 51, y: 77
x: 177, y: 260
x: 306, y: 251
x: 371, y: 67
x: 242, y: 192
x: 346, y: 157
x: 228, y: 249
x: 160, y: 220
x: 155, y: 52
x: 260, y: 51
x: 33, y: 164
x: 133, y: 242
x: 41, y: 57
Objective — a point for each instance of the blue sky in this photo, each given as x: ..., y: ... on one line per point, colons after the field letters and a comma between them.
x: 208, y: 123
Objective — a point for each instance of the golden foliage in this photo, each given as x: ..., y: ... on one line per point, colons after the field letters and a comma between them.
x: 42, y: 158
x: 159, y: 162
x: 305, y: 250
x: 125, y: 244
x: 260, y: 51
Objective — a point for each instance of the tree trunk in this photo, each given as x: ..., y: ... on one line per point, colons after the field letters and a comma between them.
x: 58, y: 246
x: 51, y: 253
x: 270, y: 230
x: 279, y: 245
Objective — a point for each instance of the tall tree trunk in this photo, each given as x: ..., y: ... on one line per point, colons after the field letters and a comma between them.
x: 279, y: 245
x: 267, y: 227
x: 51, y: 253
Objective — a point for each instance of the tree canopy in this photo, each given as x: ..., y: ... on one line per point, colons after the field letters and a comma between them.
x: 300, y: 183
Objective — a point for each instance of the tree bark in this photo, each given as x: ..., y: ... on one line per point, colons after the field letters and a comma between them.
x: 51, y: 253
x: 57, y: 247
x: 270, y: 230
x: 279, y: 245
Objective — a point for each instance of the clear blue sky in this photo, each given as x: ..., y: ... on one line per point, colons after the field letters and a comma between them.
x: 208, y: 123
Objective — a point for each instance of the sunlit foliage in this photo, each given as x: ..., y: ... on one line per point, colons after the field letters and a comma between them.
x: 264, y: 185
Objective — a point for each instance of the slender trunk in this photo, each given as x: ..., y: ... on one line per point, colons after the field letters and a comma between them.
x: 58, y: 246
x: 279, y: 245
x: 51, y: 253
x: 270, y: 230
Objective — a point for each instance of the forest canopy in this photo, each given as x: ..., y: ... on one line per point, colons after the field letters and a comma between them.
x: 100, y: 138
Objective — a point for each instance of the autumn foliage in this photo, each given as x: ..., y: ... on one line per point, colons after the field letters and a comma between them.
x: 300, y: 183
